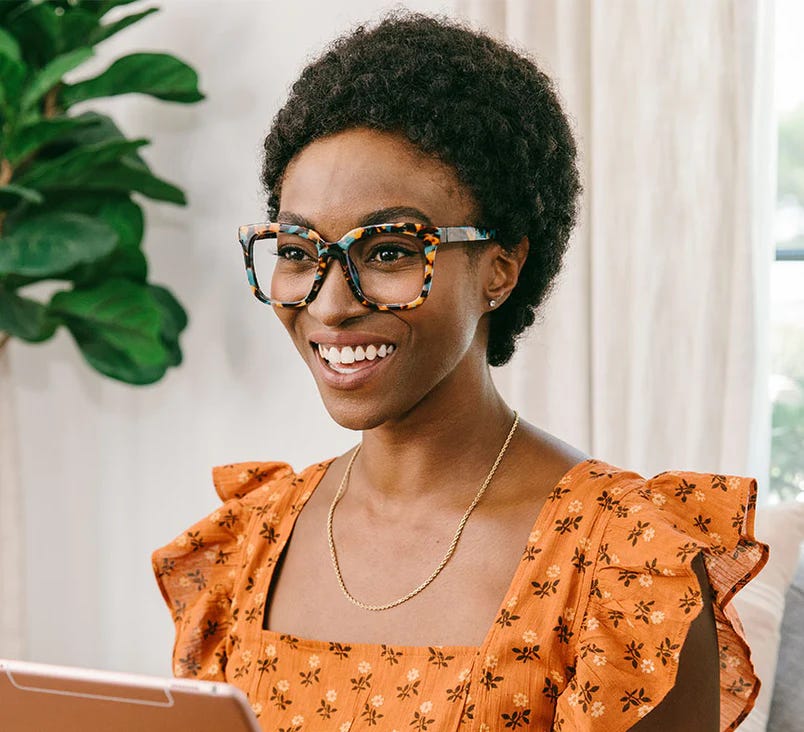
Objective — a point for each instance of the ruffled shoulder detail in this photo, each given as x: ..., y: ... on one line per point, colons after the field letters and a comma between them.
x: 196, y: 571
x: 235, y: 480
x: 644, y: 595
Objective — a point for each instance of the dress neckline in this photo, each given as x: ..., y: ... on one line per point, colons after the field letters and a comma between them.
x: 306, y: 489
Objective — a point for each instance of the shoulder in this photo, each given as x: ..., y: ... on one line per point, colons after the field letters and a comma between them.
x: 671, y: 552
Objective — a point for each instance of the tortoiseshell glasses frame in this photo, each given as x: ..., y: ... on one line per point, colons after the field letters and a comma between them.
x: 431, y: 236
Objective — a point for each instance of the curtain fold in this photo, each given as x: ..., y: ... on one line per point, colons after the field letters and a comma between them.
x: 652, y: 352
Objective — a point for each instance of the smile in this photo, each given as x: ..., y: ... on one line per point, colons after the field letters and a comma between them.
x: 351, y: 359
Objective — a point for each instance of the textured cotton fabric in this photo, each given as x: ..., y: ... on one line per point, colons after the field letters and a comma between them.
x: 587, y: 636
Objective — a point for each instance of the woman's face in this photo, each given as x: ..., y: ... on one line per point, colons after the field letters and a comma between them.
x: 361, y: 176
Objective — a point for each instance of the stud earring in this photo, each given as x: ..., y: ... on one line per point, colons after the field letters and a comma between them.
x: 492, y: 303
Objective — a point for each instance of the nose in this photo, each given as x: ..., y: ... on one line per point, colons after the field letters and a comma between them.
x: 335, y: 301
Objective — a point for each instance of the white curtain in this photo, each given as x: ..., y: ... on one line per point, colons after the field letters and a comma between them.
x: 12, y: 531
x: 652, y: 353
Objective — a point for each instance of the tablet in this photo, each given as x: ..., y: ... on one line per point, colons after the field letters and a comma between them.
x: 37, y: 697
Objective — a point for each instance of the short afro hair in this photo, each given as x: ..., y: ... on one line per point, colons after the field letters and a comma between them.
x: 468, y: 100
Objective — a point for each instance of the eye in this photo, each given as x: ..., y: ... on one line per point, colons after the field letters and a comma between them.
x: 292, y: 253
x: 389, y: 253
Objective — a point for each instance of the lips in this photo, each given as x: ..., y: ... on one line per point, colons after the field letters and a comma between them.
x: 350, y: 366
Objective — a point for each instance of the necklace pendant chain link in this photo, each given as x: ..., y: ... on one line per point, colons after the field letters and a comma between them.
x: 450, y: 550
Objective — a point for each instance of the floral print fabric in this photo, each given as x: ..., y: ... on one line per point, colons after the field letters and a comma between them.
x: 587, y: 637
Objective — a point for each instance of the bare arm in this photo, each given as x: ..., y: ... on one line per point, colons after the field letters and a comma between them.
x: 694, y: 702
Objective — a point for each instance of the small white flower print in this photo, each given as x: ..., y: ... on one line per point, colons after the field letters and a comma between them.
x: 700, y: 495
x: 606, y: 595
x: 364, y: 667
x: 314, y: 661
x: 426, y: 707
x: 557, y: 677
x: 615, y: 558
x: 597, y: 709
x: 242, y: 476
x: 636, y: 508
x: 413, y: 674
x: 530, y: 637
x: 645, y: 580
x: 599, y: 660
x: 714, y: 537
x: 283, y: 685
x: 345, y: 727
x: 520, y: 700
x: 592, y: 623
x: 733, y: 483
x: 377, y: 700
x: 331, y: 696
x: 535, y: 536
x: 257, y: 707
x: 644, y: 709
x: 648, y: 533
x: 569, y: 613
x: 213, y: 669
x: 553, y: 571
x: 647, y: 666
x: 574, y: 699
x: 250, y: 549
x: 259, y: 599
x: 491, y: 661
x: 270, y: 650
x: 297, y: 720
x: 656, y: 617
x: 616, y: 490
x: 575, y: 507
x: 462, y: 676
x: 513, y: 601
x: 585, y: 543
x: 246, y: 655
x: 209, y: 555
x: 659, y: 499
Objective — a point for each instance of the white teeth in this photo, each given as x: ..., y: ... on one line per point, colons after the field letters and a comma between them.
x: 353, y: 354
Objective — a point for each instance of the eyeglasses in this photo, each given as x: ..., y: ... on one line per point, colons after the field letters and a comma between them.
x: 387, y: 266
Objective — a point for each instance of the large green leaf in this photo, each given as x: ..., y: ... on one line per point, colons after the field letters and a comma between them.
x: 174, y: 321
x: 76, y: 27
x: 51, y: 75
x: 50, y: 244
x: 73, y: 168
x: 12, y: 76
x: 118, y: 327
x: 30, y: 138
x: 102, y: 32
x: 36, y: 26
x: 158, y: 74
x: 9, y: 46
x: 12, y: 194
x: 25, y: 318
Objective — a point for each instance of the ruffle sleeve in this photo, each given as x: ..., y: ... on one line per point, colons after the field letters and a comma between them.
x: 644, y: 595
x: 196, y: 571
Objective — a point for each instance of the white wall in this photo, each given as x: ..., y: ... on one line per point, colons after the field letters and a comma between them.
x: 111, y: 471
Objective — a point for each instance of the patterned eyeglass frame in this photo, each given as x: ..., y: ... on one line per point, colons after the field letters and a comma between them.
x: 327, y: 251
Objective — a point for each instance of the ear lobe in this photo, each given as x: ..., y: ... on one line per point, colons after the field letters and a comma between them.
x: 505, y: 268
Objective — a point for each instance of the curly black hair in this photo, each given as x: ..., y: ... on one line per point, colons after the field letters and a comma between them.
x: 468, y: 100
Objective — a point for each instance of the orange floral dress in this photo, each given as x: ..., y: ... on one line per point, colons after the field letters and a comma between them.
x: 586, y: 638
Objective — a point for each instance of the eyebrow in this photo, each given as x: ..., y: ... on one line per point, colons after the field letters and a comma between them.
x: 391, y: 214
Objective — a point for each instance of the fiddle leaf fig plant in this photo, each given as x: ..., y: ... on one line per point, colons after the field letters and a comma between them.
x: 67, y: 180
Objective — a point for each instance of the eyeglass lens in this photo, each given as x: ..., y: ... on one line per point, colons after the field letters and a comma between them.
x: 389, y: 267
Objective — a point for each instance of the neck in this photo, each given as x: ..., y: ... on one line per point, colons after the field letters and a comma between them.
x: 440, y: 451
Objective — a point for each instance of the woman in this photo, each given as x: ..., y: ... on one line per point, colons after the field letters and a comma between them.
x: 458, y: 569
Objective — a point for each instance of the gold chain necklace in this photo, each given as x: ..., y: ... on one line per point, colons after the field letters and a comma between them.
x: 452, y: 546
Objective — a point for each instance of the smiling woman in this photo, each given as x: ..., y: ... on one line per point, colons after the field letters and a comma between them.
x: 459, y: 568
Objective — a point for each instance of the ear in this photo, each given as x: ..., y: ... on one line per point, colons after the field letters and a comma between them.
x: 503, y: 271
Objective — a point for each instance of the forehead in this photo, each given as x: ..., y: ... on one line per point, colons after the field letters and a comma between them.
x: 339, y: 180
